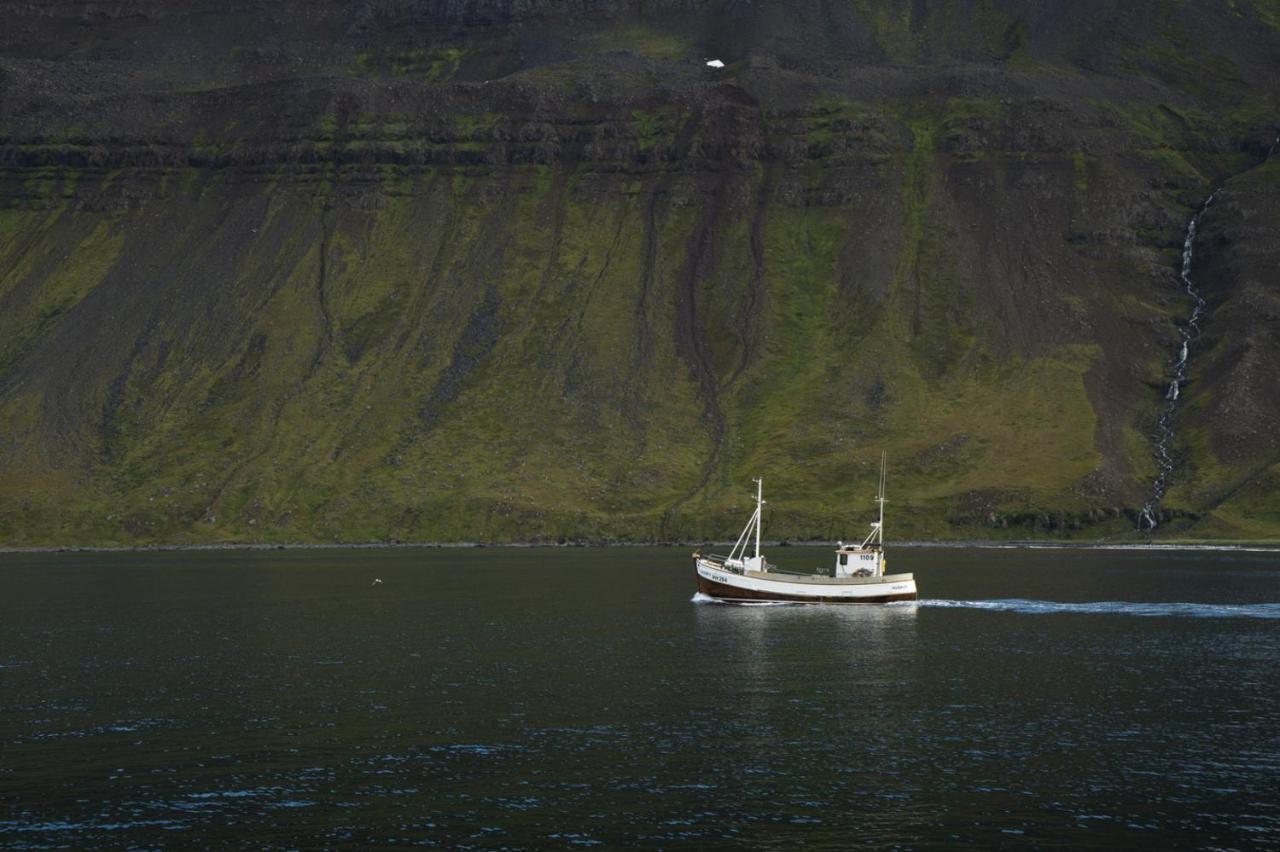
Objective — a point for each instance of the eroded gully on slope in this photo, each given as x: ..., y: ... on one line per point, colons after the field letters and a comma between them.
x: 1188, y: 332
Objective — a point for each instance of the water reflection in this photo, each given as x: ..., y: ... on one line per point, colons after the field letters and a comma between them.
x: 501, y: 699
x: 809, y: 651
x: 857, y: 624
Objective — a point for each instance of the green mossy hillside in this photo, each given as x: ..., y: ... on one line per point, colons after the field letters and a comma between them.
x: 539, y: 272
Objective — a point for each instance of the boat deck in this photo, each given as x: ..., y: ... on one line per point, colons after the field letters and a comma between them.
x: 820, y: 580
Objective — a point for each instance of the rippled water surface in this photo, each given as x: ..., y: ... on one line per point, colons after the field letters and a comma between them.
x: 518, y: 698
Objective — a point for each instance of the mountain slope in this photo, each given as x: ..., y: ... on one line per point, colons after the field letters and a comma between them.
x: 535, y: 271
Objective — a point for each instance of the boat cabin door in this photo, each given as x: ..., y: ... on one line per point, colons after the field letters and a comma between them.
x: 856, y: 562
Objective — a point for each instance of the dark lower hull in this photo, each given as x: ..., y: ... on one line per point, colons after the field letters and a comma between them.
x: 723, y: 592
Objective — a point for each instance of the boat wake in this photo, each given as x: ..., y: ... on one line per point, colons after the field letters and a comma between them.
x: 1175, y: 547
x: 1187, y: 610
x: 700, y: 598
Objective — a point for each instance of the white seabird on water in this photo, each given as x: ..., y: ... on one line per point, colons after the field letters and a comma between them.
x: 377, y: 581
x: 714, y: 63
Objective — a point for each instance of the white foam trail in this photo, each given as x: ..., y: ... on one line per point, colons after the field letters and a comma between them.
x: 700, y: 598
x: 1053, y: 545
x: 1032, y: 607
x: 1214, y: 548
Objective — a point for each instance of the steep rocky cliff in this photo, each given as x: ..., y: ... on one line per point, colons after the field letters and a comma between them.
x: 533, y: 270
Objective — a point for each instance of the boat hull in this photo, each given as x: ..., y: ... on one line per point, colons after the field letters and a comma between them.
x: 720, y: 584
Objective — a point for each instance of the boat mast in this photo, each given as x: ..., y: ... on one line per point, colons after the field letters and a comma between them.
x: 880, y: 499
x: 740, y: 546
x: 759, y: 514
x: 876, y: 536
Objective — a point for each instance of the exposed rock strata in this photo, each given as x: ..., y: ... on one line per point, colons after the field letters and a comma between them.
x: 512, y: 270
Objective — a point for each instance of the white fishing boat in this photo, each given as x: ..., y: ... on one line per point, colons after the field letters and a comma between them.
x: 858, y: 575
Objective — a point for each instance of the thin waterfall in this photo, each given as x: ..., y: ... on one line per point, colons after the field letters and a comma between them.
x: 1163, y: 437
x: 1188, y: 332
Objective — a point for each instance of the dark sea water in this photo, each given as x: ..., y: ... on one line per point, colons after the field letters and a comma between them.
x: 560, y: 698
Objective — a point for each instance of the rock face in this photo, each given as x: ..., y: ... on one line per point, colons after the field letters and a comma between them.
x: 533, y: 270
